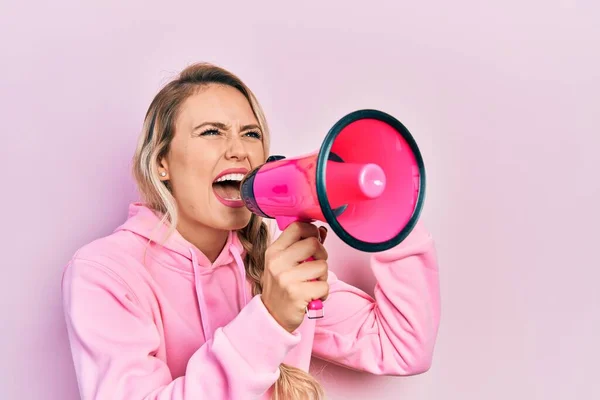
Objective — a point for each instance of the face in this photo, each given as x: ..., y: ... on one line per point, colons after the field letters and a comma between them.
x: 217, y: 141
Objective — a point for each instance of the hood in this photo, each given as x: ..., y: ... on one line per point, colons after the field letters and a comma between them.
x: 144, y: 222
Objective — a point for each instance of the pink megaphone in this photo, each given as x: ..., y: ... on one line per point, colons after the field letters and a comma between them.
x: 367, y: 181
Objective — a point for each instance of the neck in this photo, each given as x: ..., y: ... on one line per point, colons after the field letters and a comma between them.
x: 208, y: 240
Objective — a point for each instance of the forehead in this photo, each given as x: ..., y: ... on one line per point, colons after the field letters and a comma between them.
x: 216, y: 103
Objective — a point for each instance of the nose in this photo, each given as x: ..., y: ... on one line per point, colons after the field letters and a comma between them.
x: 235, y: 149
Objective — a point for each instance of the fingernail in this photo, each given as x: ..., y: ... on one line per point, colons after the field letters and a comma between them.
x: 323, y: 235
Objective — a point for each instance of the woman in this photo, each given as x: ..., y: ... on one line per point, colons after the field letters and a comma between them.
x: 191, y: 299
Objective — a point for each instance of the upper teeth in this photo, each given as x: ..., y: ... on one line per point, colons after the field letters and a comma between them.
x: 231, y: 177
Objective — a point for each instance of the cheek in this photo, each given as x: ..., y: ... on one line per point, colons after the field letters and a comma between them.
x: 256, y: 154
x: 193, y: 169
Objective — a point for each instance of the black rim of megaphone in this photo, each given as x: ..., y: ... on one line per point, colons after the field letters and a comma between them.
x: 329, y: 214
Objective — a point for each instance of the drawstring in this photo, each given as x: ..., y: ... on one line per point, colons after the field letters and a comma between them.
x: 242, y: 271
x: 200, y: 297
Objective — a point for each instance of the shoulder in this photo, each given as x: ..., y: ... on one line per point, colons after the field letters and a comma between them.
x: 112, y: 262
x: 105, y: 278
x: 114, y: 251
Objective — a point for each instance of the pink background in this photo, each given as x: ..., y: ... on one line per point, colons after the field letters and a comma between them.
x: 503, y: 99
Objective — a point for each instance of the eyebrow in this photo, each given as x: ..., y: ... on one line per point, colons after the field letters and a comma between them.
x: 225, y: 127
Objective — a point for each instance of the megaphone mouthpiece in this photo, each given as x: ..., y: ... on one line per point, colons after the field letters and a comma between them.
x: 349, y: 183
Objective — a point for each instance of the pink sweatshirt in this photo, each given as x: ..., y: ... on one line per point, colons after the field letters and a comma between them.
x: 161, y: 322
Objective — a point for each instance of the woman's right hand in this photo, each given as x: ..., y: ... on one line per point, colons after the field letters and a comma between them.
x: 288, y: 282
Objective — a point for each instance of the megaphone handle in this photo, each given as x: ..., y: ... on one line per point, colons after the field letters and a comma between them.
x: 314, y: 309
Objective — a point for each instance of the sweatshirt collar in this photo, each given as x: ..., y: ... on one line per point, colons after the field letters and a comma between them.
x: 147, y: 223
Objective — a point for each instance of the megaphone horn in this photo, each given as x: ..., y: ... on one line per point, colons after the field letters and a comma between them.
x: 367, y: 181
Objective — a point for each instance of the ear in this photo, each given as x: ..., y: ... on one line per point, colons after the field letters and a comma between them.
x: 163, y: 169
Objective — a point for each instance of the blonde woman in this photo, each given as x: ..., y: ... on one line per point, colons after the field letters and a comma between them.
x: 193, y: 299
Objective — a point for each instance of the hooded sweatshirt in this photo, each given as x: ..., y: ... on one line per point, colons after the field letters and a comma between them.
x: 151, y: 319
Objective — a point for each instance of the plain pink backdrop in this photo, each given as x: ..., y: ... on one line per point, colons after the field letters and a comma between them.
x: 503, y: 99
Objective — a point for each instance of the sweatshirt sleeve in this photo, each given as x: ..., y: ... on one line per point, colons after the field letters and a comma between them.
x: 394, y: 333
x: 114, y: 344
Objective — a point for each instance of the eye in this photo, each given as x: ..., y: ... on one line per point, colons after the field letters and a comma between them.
x: 254, y: 134
x: 210, y: 132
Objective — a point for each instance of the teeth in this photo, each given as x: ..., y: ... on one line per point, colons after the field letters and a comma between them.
x: 231, y: 177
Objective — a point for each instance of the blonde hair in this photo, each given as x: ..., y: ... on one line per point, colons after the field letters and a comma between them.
x: 153, y: 144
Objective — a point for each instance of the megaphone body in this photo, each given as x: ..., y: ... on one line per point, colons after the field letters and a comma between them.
x: 367, y: 181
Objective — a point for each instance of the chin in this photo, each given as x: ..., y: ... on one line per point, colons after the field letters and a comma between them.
x: 230, y: 214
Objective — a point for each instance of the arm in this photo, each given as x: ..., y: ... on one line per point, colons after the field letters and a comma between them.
x: 113, y: 343
x: 395, y: 333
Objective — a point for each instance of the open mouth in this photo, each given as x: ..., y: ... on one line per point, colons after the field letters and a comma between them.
x: 228, y: 186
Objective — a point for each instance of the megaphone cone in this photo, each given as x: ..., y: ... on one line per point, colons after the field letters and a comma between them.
x: 367, y: 181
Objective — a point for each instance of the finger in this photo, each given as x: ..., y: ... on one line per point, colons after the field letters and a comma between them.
x: 315, y: 290
x: 308, y: 271
x: 305, y: 249
x: 293, y: 233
